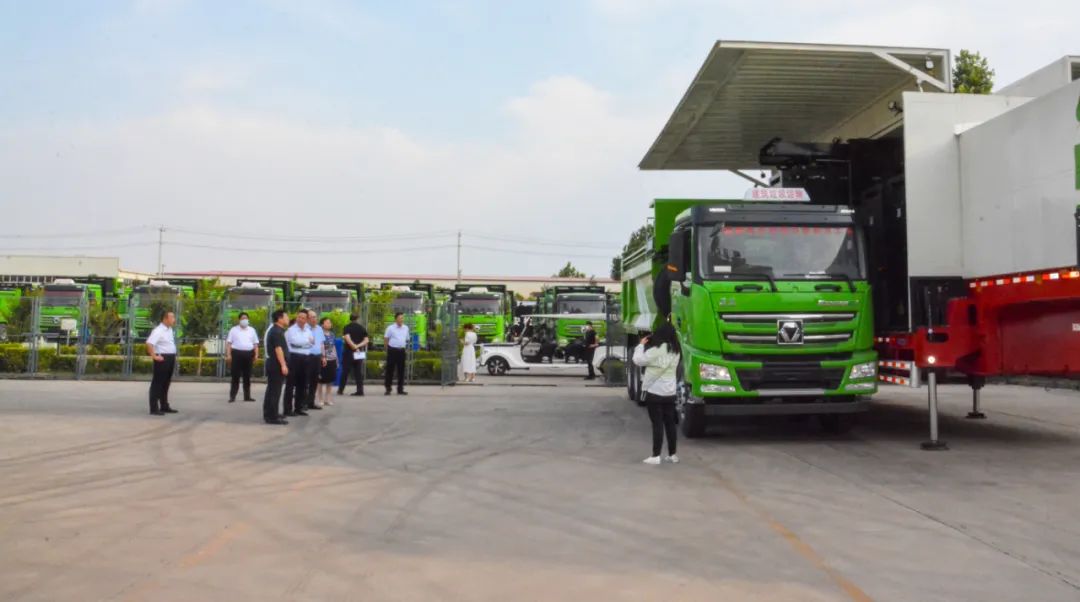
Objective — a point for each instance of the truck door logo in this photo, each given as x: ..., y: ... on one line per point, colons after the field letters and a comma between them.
x: 789, y: 332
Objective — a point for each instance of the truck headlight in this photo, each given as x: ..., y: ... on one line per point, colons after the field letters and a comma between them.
x: 713, y: 372
x: 861, y: 371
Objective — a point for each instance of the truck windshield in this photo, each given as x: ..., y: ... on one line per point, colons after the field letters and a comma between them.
x: 788, y: 251
x: 408, y: 305
x: 63, y: 297
x: 478, y: 305
x: 252, y: 300
x: 579, y: 305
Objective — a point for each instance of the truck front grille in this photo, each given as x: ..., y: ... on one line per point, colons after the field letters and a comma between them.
x: 815, y: 329
x: 789, y: 376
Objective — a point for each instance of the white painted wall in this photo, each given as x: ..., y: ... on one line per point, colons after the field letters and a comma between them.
x: 932, y: 164
x: 1019, y: 187
x: 41, y: 265
x: 1045, y: 80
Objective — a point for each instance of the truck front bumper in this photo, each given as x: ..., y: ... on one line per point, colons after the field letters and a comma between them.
x: 781, y: 385
x: 737, y: 407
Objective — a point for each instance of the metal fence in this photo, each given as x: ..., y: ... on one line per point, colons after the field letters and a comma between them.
x: 79, y: 337
x: 613, y: 364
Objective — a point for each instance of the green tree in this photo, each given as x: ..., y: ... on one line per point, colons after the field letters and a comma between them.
x: 201, y: 315
x: 972, y: 74
x: 638, y: 238
x: 569, y: 271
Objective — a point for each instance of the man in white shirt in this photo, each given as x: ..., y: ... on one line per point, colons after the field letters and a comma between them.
x: 300, y: 339
x: 241, y: 353
x: 161, y: 346
x: 397, y: 341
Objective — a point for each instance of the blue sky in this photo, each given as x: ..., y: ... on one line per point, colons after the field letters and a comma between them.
x: 521, y: 120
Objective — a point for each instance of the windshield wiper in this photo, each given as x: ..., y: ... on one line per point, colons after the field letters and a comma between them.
x: 759, y: 275
x: 843, y: 277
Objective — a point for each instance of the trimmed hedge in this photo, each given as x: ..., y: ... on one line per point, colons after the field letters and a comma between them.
x: 14, y: 357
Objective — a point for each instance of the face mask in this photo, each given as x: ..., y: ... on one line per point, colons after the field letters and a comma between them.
x: 244, y: 322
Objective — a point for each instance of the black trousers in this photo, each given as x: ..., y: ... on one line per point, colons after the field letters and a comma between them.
x: 274, y: 382
x: 590, y: 352
x: 242, y: 362
x: 662, y: 416
x: 296, y: 384
x: 348, y: 364
x: 395, y: 362
x: 314, y: 364
x: 159, y: 384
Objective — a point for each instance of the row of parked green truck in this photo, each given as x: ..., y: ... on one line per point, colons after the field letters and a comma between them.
x: 490, y: 308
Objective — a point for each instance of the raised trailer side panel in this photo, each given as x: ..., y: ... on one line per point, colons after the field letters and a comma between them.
x: 932, y: 177
x: 1019, y: 188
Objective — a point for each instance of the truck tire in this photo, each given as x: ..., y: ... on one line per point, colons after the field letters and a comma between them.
x: 691, y: 416
x: 692, y: 420
x: 498, y: 366
x: 837, y: 424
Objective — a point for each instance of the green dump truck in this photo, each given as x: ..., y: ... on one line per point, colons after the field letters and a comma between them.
x: 62, y: 303
x: 771, y: 303
x: 330, y: 301
x: 571, y: 300
x: 10, y: 298
x: 149, y: 302
x: 250, y: 298
x: 489, y: 308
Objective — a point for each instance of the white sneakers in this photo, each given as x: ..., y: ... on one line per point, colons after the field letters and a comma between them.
x: 656, y: 460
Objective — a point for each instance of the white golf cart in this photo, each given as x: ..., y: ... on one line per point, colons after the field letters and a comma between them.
x: 537, y: 346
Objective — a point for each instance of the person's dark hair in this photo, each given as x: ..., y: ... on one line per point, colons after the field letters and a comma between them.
x: 468, y: 327
x: 277, y: 315
x: 354, y: 317
x: 398, y: 315
x: 665, y: 334
x: 325, y: 320
x: 243, y: 315
x: 588, y: 322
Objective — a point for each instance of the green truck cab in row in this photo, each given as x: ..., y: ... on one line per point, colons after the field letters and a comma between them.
x: 569, y: 301
x: 771, y: 303
x: 488, y: 307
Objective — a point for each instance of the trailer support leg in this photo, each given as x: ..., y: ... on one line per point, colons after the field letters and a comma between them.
x: 934, y: 444
x: 976, y: 405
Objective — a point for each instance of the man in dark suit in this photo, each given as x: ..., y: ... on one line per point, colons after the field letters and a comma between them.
x: 591, y: 343
x: 277, y: 367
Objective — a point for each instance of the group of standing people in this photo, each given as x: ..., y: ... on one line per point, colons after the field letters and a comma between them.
x: 302, y: 355
x: 301, y: 359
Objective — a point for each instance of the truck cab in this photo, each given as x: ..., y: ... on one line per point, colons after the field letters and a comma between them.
x: 771, y: 303
x: 250, y: 298
x: 62, y: 299
x: 149, y: 302
x: 572, y: 301
x: 486, y: 308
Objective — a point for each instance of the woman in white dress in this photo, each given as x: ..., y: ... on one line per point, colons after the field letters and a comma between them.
x: 468, y: 354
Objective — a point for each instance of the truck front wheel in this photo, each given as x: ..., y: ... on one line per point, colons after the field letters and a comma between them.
x: 837, y: 424
x: 691, y: 415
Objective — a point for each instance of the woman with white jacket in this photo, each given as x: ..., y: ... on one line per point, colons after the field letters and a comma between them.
x: 659, y: 355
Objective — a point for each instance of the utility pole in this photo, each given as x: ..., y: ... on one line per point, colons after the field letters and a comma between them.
x: 459, y: 256
x: 160, y: 240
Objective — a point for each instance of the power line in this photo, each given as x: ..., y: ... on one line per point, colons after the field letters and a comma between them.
x: 548, y: 243
x: 79, y: 248
x: 80, y: 234
x: 284, y: 251
x: 540, y: 253
x: 317, y: 239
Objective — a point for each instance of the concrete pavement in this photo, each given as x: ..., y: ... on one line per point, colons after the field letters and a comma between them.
x: 528, y: 493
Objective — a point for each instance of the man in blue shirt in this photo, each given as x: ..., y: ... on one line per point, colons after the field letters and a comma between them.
x: 397, y: 341
x: 316, y: 359
x: 299, y: 339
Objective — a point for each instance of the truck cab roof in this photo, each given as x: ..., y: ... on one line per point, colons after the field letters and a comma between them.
x: 774, y: 213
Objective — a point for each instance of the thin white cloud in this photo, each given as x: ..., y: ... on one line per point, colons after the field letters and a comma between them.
x: 567, y: 172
